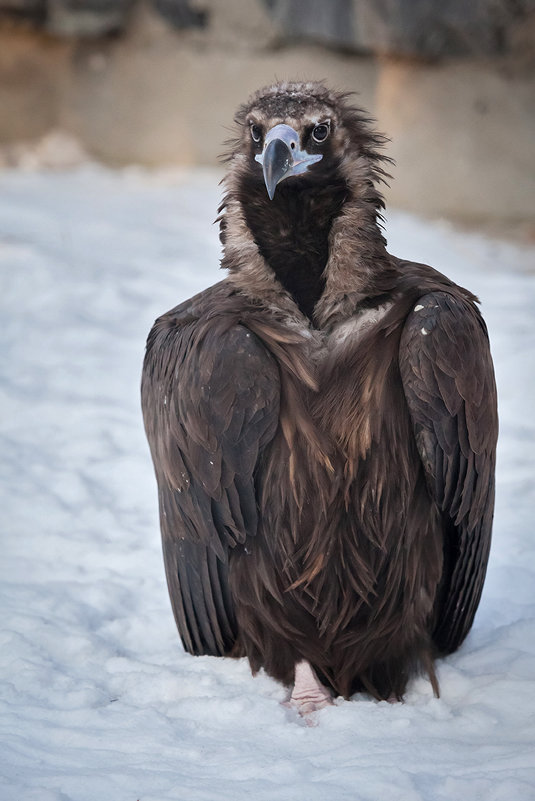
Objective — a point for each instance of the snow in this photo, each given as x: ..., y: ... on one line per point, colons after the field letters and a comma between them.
x: 97, y: 699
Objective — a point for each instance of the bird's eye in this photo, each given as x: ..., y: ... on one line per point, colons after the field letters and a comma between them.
x: 321, y: 132
x: 256, y: 133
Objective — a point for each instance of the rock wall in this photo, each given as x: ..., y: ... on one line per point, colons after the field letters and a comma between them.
x: 161, y: 85
x: 424, y: 29
x: 463, y: 138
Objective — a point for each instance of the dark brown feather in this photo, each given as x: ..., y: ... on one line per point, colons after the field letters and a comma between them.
x: 463, y: 434
x: 323, y: 426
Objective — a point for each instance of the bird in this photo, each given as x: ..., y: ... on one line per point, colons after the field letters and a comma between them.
x: 322, y: 422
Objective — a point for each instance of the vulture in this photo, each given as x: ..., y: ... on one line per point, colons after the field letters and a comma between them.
x: 322, y: 422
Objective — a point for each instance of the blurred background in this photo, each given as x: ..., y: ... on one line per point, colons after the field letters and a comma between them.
x: 451, y: 82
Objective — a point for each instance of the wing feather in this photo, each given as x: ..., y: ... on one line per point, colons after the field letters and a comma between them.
x: 449, y: 385
x: 210, y: 397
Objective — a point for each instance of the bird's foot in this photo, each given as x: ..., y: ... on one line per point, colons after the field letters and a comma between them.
x: 308, y: 694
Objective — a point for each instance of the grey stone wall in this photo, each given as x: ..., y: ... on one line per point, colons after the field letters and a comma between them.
x: 429, y: 29
x: 90, y: 18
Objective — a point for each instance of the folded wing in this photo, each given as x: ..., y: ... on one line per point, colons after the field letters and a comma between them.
x: 449, y: 385
x: 210, y: 398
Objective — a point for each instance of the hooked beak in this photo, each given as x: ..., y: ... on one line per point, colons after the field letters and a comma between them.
x: 282, y: 157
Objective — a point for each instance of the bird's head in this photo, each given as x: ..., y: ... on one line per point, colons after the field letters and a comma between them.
x: 305, y: 130
x: 302, y: 204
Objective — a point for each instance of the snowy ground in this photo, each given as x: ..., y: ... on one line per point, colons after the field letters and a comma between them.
x: 98, y: 701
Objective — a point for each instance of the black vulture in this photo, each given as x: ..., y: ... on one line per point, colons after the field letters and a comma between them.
x: 322, y: 422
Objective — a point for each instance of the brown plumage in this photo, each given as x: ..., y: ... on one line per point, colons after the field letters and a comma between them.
x: 322, y: 422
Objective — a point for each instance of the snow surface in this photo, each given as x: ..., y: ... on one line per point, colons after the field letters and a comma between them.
x: 98, y: 700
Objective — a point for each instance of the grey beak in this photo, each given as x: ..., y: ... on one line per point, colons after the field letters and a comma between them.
x: 282, y: 156
x: 277, y: 163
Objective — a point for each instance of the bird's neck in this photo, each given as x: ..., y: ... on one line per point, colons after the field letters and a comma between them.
x: 322, y: 244
x: 292, y: 235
